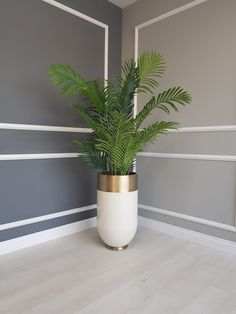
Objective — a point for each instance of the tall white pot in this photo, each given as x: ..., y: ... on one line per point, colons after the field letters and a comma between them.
x: 117, y: 209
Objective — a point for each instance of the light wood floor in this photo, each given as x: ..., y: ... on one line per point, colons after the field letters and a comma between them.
x: 156, y: 274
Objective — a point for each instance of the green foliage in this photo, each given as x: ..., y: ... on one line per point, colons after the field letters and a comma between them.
x: 117, y: 137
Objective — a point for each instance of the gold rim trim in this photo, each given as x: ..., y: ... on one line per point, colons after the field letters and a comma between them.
x: 109, y: 183
x: 120, y: 248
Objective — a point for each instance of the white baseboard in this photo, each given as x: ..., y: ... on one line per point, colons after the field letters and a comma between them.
x: 46, y: 235
x: 198, y: 220
x: 58, y: 232
x: 189, y: 235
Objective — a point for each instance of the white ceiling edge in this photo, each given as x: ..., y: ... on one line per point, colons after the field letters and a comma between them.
x: 122, y: 3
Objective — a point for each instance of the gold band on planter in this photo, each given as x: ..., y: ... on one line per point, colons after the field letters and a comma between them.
x: 109, y: 183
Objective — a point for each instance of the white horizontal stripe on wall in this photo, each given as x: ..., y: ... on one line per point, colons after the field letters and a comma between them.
x: 52, y: 128
x: 68, y: 212
x: 47, y: 128
x: 188, y: 217
x: 37, y: 156
x: 226, y: 158
x: 210, y: 128
x: 29, y: 221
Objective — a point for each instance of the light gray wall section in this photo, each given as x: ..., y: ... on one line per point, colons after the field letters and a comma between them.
x: 200, y: 57
x: 204, y: 189
x: 199, y: 47
x: 217, y: 143
x: 33, y: 35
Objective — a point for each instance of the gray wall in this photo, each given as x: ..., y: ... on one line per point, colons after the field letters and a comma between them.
x: 33, y: 35
x: 199, y: 47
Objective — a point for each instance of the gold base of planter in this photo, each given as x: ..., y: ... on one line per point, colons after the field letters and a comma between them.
x: 121, y: 248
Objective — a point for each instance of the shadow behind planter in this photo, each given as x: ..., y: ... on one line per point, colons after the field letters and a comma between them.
x: 117, y: 209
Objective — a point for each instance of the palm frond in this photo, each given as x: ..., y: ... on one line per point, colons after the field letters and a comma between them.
x: 129, y: 85
x: 151, y: 66
x: 87, y: 116
x: 64, y: 75
x: 73, y: 83
x: 154, y: 130
x: 117, y: 137
x: 166, y: 100
x: 92, y: 156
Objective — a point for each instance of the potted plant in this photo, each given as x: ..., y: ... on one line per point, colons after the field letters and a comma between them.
x: 117, y: 136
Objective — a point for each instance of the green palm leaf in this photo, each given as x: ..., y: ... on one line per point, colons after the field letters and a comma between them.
x: 151, y: 66
x: 164, y: 101
x: 116, y: 137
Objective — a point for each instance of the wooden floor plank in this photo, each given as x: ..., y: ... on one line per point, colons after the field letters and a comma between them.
x: 156, y: 274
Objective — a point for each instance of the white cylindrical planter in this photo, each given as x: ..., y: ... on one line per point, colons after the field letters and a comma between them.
x: 117, y: 209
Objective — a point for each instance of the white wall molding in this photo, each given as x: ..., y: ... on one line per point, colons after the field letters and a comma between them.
x: 225, y: 158
x: 16, y: 244
x: 198, y: 220
x: 54, y: 128
x: 155, y: 20
x: 190, y: 235
x: 46, y: 128
x: 170, y: 13
x: 29, y: 221
x: 76, y: 13
x: 91, y: 20
x: 46, y: 235
x: 201, y: 129
x: 37, y: 156
x: 31, y: 127
x: 68, y: 212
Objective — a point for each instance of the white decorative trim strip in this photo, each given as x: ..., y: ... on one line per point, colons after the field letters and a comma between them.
x: 106, y: 51
x: 47, y: 128
x: 52, y: 128
x: 171, y: 13
x: 189, y: 235
x: 200, y: 129
x: 155, y: 20
x: 30, y: 127
x: 91, y: 20
x: 58, y: 232
x: 37, y: 156
x: 227, y: 158
x: 44, y: 236
x: 29, y: 221
x: 76, y: 13
x: 189, y: 218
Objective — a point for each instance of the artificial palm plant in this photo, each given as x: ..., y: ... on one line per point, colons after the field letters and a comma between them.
x: 117, y: 136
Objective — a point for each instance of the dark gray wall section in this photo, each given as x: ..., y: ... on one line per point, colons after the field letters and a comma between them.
x: 38, y: 36
x: 41, y: 187
x: 48, y: 224
x: 33, y: 35
x: 109, y: 14
x: 32, y: 142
